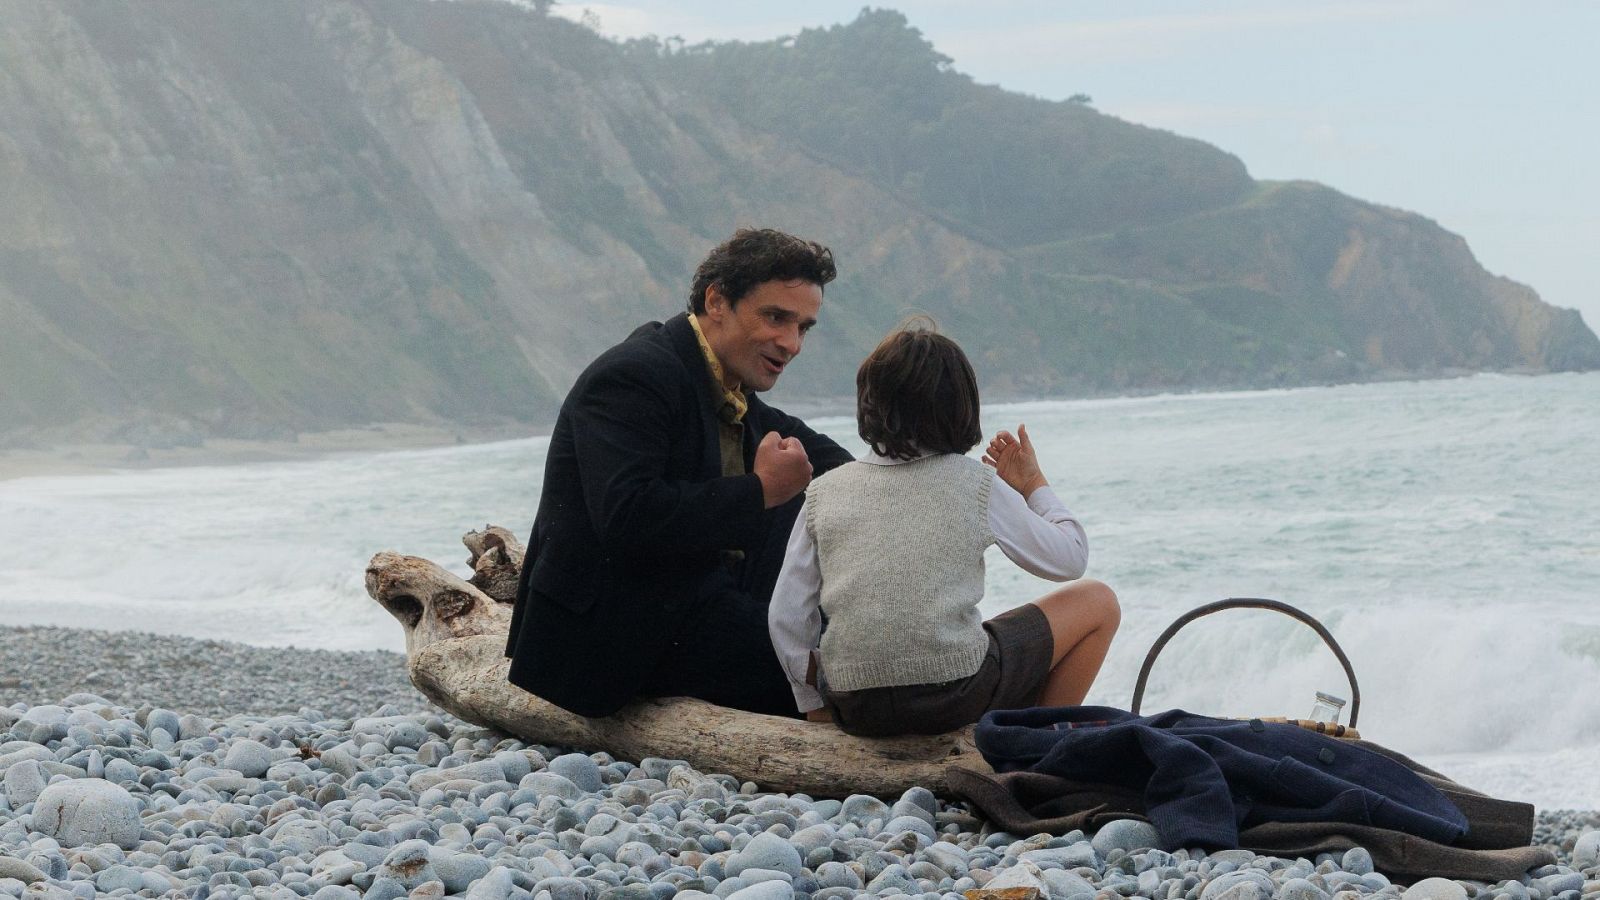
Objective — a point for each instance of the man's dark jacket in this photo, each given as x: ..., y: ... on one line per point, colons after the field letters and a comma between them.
x: 1203, y: 779
x: 634, y: 518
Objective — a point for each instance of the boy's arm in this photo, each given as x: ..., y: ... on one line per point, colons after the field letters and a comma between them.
x: 1014, y: 459
x: 1030, y: 523
x: 794, y: 617
x: 1039, y: 534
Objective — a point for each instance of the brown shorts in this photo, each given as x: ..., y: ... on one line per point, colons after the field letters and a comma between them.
x: 1013, y: 671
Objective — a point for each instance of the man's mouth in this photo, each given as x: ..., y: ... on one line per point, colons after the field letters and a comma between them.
x: 775, y: 366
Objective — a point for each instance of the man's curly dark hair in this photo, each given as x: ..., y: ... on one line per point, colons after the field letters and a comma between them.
x: 757, y: 255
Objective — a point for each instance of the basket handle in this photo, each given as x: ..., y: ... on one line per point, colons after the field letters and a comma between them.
x: 1248, y: 603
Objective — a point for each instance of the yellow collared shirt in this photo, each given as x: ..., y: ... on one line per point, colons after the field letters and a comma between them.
x: 731, y: 411
x: 734, y: 404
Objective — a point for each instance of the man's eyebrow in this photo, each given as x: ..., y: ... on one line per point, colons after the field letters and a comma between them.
x: 786, y: 313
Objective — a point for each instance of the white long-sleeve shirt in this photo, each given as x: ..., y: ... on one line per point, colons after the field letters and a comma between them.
x: 1038, y: 533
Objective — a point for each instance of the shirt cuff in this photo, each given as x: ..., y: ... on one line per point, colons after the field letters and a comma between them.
x: 1043, y: 500
x: 806, y: 697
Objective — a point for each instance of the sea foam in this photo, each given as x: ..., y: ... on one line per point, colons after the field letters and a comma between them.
x: 1447, y: 532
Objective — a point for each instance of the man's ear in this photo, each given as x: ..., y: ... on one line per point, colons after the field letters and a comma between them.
x: 716, y: 303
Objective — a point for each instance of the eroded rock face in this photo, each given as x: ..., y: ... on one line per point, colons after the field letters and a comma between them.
x: 514, y: 194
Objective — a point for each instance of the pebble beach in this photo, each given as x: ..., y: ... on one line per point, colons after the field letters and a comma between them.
x: 139, y: 765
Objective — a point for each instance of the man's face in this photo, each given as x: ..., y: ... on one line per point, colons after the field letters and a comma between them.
x: 756, y: 339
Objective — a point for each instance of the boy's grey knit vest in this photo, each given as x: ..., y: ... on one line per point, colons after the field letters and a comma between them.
x: 900, y: 549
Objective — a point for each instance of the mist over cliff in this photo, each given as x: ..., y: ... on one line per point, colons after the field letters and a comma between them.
x: 256, y: 219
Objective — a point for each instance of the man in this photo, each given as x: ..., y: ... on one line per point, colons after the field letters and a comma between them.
x: 670, y: 489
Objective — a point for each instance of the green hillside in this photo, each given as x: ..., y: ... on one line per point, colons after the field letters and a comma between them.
x: 257, y: 219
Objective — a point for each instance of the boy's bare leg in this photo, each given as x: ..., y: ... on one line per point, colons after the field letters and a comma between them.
x: 1084, y: 616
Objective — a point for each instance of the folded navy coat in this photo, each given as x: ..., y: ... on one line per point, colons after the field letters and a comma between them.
x: 1203, y: 778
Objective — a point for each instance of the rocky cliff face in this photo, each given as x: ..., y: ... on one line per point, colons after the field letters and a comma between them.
x: 254, y: 219
x: 1342, y: 287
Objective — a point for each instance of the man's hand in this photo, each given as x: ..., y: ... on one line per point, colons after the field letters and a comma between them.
x: 783, y: 468
x: 1013, y: 458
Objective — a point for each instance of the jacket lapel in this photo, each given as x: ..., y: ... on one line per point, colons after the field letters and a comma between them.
x: 680, y: 334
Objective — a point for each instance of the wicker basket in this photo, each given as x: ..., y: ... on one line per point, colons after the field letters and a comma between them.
x: 1342, y: 731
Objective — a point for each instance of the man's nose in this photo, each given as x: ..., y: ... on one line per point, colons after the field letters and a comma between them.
x: 790, y: 341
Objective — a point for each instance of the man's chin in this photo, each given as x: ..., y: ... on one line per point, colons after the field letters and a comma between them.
x: 759, y: 377
x: 761, y: 380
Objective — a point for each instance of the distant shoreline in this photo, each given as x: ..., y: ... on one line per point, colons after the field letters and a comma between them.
x: 87, y: 458
x: 98, y: 458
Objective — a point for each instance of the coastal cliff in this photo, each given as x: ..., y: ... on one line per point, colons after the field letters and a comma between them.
x: 254, y: 220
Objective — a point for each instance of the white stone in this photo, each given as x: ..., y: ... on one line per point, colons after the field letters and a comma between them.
x: 24, y: 781
x: 766, y: 851
x: 1125, y: 834
x: 1586, y: 852
x: 766, y: 890
x: 47, y: 714
x: 1435, y: 889
x: 88, y: 811
x: 1022, y: 875
x: 249, y: 758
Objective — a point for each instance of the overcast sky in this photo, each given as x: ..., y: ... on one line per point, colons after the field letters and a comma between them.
x: 1484, y: 116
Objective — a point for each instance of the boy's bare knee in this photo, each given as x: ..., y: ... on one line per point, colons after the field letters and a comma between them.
x: 1084, y: 599
x: 1105, y: 602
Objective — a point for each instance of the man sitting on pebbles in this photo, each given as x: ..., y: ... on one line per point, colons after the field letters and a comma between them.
x: 670, y: 489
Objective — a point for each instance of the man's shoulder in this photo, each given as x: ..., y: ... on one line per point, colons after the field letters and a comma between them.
x: 652, y: 340
x: 648, y: 350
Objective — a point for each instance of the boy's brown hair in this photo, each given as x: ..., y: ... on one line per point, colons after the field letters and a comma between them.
x: 916, y: 393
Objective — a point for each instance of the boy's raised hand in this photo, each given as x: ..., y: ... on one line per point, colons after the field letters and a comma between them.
x: 1014, y: 460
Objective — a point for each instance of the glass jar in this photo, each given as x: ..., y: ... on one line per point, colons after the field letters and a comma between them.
x: 1327, y: 708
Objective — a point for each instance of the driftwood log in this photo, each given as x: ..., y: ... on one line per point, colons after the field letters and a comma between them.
x: 455, y: 652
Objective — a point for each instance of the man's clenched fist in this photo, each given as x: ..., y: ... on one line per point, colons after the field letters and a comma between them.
x: 783, y: 467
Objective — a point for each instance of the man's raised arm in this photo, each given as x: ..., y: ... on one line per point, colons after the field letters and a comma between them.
x: 623, y: 427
